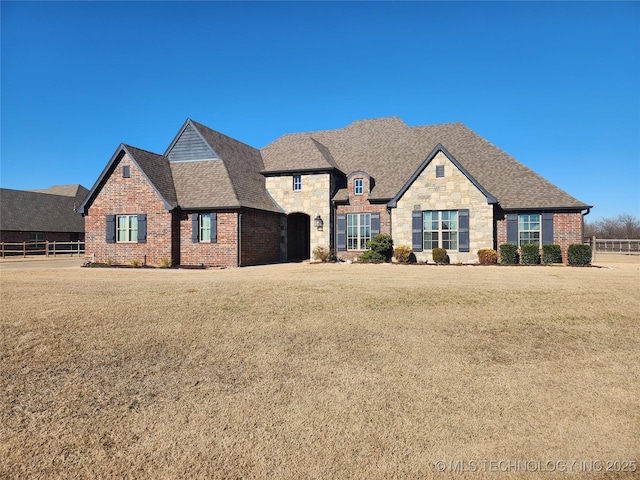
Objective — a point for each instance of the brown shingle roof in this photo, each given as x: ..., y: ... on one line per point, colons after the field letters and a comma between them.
x: 233, y: 180
x: 156, y: 168
x: 390, y: 151
x: 35, y: 211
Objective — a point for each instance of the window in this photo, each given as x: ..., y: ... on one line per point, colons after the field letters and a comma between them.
x: 204, y: 223
x: 126, y: 228
x: 36, y: 237
x: 204, y: 227
x: 126, y: 171
x: 358, y: 186
x: 297, y: 183
x: 528, y: 229
x: 439, y: 171
x: 358, y: 230
x: 440, y: 229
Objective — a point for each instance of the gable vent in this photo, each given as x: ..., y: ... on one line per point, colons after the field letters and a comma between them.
x: 190, y: 146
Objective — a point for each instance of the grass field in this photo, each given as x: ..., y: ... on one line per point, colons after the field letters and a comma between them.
x: 320, y: 371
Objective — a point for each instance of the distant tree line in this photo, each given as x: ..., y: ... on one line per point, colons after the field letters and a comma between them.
x: 622, y: 226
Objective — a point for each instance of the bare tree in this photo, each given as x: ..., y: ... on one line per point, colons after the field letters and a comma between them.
x: 622, y: 226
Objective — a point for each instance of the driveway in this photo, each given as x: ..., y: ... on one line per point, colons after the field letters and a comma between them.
x: 38, y: 264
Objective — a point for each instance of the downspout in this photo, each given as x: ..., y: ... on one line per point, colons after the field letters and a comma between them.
x: 584, y: 215
x: 239, y: 239
x: 593, y: 239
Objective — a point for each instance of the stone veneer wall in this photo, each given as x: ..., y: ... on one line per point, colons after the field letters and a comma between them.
x: 454, y: 191
x: 567, y: 229
x: 313, y: 199
x: 131, y: 196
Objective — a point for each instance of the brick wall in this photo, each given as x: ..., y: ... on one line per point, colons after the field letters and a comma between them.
x: 222, y: 253
x: 131, y: 196
x: 260, y: 237
x: 567, y: 229
x: 360, y: 204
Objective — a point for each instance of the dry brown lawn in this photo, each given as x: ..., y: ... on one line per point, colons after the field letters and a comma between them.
x: 320, y: 371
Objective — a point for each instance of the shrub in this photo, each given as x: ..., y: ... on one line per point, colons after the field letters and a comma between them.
x: 382, y: 244
x: 551, y: 253
x: 323, y: 254
x: 439, y: 255
x: 371, y: 256
x: 579, y: 254
x: 165, y: 263
x: 402, y: 254
x: 135, y: 263
x: 530, y: 253
x: 508, y: 253
x: 487, y: 256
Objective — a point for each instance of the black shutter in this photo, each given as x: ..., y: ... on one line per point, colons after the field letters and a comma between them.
x: 547, y: 228
x: 342, y: 232
x: 375, y: 224
x: 416, y: 230
x: 214, y: 227
x: 195, y: 228
x: 111, y: 229
x: 512, y: 228
x: 142, y: 228
x: 463, y: 230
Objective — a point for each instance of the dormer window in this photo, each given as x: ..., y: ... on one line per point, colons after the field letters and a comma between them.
x: 358, y: 186
x: 297, y: 183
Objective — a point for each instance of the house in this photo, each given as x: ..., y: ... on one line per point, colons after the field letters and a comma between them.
x: 212, y: 200
x: 42, y: 215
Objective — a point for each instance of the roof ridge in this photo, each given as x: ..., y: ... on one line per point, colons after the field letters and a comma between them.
x: 125, y: 145
x: 198, y: 124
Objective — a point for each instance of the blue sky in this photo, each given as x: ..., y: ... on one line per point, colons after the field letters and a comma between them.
x: 554, y: 84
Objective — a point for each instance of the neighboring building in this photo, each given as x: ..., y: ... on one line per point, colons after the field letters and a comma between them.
x: 42, y: 215
x: 212, y: 200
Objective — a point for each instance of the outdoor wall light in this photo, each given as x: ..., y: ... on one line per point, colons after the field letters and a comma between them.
x: 318, y: 223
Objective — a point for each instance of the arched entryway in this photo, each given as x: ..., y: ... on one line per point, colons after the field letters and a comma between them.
x: 298, y: 238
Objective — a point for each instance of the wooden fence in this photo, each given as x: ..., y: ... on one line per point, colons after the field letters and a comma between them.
x: 46, y: 248
x: 628, y: 246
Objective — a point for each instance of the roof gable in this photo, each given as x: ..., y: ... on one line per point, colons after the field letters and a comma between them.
x: 189, y: 145
x: 440, y: 149
x: 155, y: 168
x: 233, y: 180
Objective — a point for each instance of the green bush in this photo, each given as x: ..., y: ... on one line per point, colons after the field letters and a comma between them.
x: 509, y: 254
x: 371, y: 256
x: 382, y: 244
x: 439, y: 255
x: 165, y: 263
x: 323, y: 254
x: 579, y: 254
x: 402, y: 254
x: 530, y: 253
x: 551, y: 253
x: 487, y: 256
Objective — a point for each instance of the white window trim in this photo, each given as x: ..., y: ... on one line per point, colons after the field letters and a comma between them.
x: 202, y: 229
x: 297, y: 183
x: 360, y: 239
x: 128, y: 229
x: 358, y: 183
x: 440, y: 231
x: 538, y: 230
